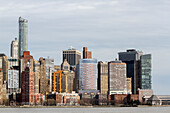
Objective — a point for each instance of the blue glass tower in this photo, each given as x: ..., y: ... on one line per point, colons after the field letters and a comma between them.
x: 146, y: 69
x: 23, y: 36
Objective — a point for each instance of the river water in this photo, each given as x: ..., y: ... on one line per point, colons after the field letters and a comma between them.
x: 88, y: 110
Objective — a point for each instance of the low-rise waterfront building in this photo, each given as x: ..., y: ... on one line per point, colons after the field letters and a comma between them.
x: 63, y: 98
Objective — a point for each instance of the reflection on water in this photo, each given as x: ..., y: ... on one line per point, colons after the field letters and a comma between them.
x: 88, y: 110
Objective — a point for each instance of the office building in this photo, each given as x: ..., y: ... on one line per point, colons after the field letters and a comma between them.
x: 49, y: 65
x: 37, y: 75
x: 87, y: 74
x: 72, y: 55
x: 103, y: 78
x: 145, y: 76
x: 13, y: 81
x: 44, y: 87
x: 63, y: 81
x: 26, y: 58
x: 27, y: 86
x: 28, y: 95
x: 87, y: 54
x: 117, y: 77
x: 14, y: 49
x: 23, y: 36
x: 138, y: 68
x: 132, y: 59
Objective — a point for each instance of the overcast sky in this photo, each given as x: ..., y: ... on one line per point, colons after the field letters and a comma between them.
x: 106, y: 27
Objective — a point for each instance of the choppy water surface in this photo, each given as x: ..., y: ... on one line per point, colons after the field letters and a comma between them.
x: 88, y: 110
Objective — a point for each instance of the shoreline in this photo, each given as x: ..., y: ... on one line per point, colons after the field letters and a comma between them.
x: 118, y: 106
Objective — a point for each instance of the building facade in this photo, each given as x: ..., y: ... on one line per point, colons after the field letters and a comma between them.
x: 103, y: 78
x: 87, y: 74
x: 44, y: 87
x: 72, y: 56
x: 49, y: 64
x: 28, y: 96
x: 27, y: 86
x: 37, y: 76
x: 63, y: 81
x: 139, y: 67
x: 13, y: 81
x: 63, y: 99
x: 117, y: 78
x: 145, y: 78
x: 23, y: 36
x: 132, y: 58
x: 26, y: 58
x: 14, y: 49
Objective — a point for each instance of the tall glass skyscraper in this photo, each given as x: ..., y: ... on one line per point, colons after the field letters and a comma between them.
x: 23, y: 36
x: 146, y: 68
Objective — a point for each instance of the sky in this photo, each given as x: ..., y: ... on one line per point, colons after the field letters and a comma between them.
x: 106, y: 27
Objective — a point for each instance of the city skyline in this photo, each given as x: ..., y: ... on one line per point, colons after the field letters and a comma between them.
x: 107, y: 33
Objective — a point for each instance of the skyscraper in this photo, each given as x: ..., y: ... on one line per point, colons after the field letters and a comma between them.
x: 14, y: 49
x: 117, y: 77
x: 72, y: 55
x: 23, y: 63
x: 63, y: 81
x: 13, y: 81
x: 87, y: 74
x: 49, y: 64
x: 132, y: 58
x: 28, y: 95
x: 37, y: 75
x: 23, y: 36
x: 145, y: 78
x: 27, y: 86
x: 138, y: 68
x: 43, y: 87
x: 103, y: 78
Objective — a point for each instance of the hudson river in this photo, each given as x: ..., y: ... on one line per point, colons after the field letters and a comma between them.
x: 88, y: 110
